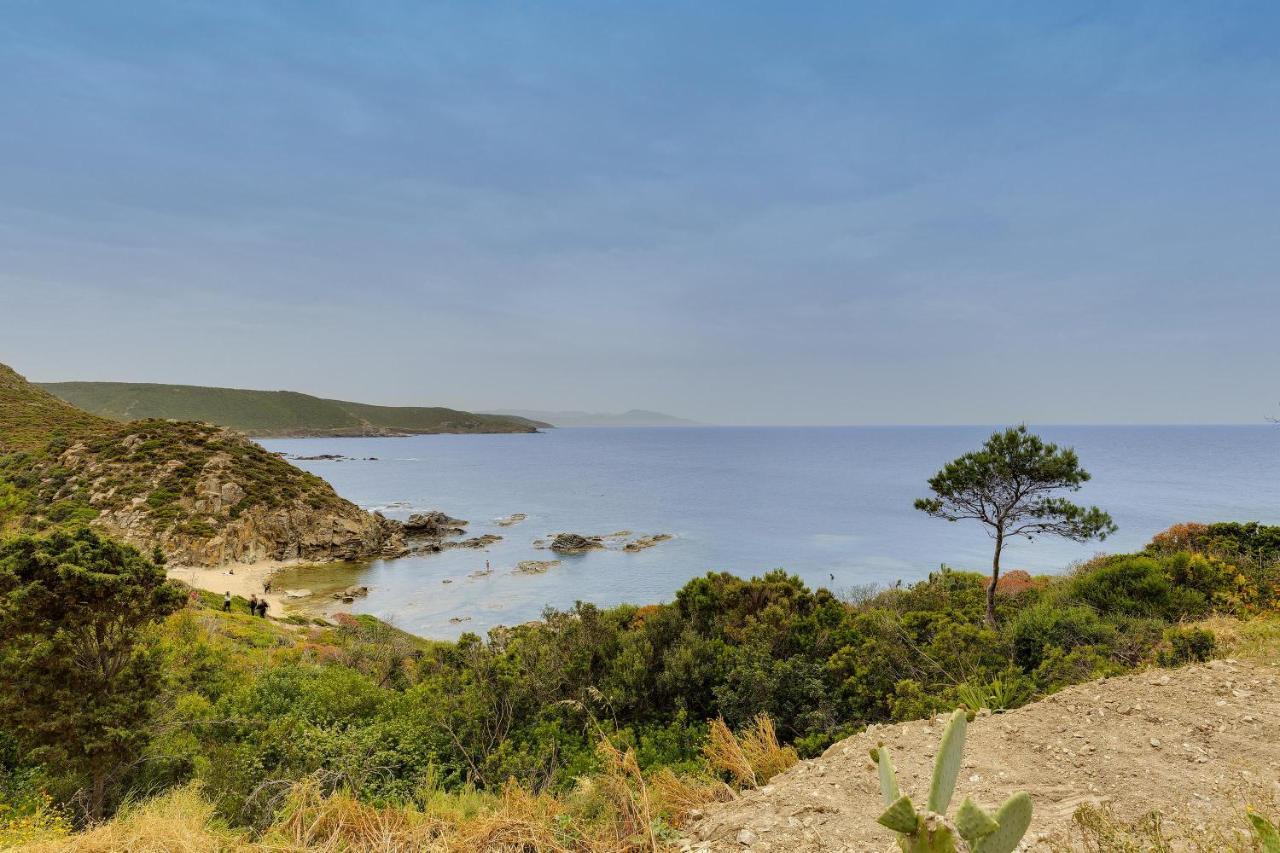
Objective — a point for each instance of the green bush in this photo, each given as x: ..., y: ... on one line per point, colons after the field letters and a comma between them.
x: 1049, y: 625
x: 1137, y: 586
x: 1186, y: 645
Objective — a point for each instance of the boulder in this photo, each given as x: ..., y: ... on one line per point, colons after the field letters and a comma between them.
x: 575, y: 543
x: 434, y: 525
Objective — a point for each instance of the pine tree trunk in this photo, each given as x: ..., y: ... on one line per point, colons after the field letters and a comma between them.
x: 98, y: 794
x: 995, y: 578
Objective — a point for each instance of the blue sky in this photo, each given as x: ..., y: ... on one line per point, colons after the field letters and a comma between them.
x: 732, y: 211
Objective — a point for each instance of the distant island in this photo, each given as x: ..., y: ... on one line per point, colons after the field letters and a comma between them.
x: 276, y: 414
x: 632, y: 418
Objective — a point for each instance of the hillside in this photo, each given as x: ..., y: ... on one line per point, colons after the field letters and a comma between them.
x: 630, y: 418
x: 1197, y: 744
x: 274, y: 413
x: 203, y: 494
x: 29, y: 417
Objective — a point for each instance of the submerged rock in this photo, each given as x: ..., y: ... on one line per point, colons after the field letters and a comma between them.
x: 514, y: 518
x: 535, y: 567
x: 646, y: 542
x: 351, y: 593
x: 475, y: 541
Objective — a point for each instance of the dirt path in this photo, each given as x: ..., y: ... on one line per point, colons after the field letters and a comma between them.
x: 1196, y: 743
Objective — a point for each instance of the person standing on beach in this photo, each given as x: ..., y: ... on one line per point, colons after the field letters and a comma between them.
x: 226, y: 602
x: 262, y: 607
x: 253, y: 605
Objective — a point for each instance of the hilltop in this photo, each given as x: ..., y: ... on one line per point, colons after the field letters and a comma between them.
x: 200, y: 493
x: 630, y: 418
x: 275, y: 413
x: 29, y: 417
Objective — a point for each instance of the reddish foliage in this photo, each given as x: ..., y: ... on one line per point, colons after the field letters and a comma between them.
x: 1015, y: 582
x: 1180, y: 537
x: 644, y: 614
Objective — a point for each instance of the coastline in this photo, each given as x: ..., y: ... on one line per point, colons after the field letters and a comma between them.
x: 243, y: 579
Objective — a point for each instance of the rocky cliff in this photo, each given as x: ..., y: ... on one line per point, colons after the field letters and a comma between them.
x: 203, y: 495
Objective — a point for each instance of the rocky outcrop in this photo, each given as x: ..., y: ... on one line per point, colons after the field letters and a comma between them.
x: 204, y: 495
x: 535, y: 567
x: 575, y: 543
x: 433, y: 525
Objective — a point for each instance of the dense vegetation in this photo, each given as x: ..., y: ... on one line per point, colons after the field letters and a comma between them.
x: 272, y: 413
x: 253, y: 709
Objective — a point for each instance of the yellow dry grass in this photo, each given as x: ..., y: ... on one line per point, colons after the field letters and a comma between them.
x: 180, y: 821
x: 752, y: 758
x: 617, y: 810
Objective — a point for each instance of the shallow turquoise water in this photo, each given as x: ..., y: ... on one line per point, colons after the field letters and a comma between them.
x: 820, y: 502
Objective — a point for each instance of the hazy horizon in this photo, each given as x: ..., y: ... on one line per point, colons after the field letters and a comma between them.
x: 733, y: 213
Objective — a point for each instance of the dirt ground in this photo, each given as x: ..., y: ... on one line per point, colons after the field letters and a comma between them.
x: 1196, y: 743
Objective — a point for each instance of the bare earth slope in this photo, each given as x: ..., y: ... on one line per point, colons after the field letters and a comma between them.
x: 1196, y: 743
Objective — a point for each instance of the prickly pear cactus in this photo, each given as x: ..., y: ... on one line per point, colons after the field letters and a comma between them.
x: 1267, y: 832
x: 929, y: 831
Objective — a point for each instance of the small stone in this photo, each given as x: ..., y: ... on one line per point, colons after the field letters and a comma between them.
x: 746, y: 837
x: 1155, y: 742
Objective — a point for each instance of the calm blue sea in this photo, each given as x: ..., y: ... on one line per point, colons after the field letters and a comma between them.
x: 819, y: 502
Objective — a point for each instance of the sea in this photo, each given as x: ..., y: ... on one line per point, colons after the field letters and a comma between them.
x: 832, y: 505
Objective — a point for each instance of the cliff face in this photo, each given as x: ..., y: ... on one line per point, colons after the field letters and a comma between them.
x: 206, y: 495
x: 202, y: 494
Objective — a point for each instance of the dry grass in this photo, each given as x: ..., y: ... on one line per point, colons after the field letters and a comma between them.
x: 522, y: 823
x: 680, y: 798
x: 616, y: 810
x: 627, y: 792
x: 1100, y: 830
x: 751, y: 759
x: 339, y: 822
x: 1257, y: 638
x: 180, y: 821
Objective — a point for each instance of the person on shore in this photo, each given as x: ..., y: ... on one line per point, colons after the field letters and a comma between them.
x: 226, y: 602
x: 253, y: 605
x: 266, y: 586
x: 262, y: 607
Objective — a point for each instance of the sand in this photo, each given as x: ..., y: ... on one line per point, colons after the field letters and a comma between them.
x: 243, y: 579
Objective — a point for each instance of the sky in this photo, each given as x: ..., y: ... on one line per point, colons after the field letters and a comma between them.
x: 732, y: 211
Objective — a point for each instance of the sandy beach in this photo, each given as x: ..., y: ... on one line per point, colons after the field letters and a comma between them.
x: 242, y: 579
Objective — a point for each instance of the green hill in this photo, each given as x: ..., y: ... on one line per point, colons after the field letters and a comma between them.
x: 274, y: 413
x: 203, y: 494
x: 30, y: 417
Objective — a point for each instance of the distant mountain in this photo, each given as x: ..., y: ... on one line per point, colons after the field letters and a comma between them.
x: 632, y: 418
x: 274, y: 413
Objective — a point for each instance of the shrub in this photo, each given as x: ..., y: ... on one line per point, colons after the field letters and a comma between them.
x: 1186, y: 645
x: 1136, y: 586
x: 1049, y: 625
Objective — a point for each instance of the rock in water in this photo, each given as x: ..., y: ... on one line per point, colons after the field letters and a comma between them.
x: 433, y: 524
x: 535, y: 567
x: 575, y: 543
x: 646, y: 542
x: 476, y: 541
